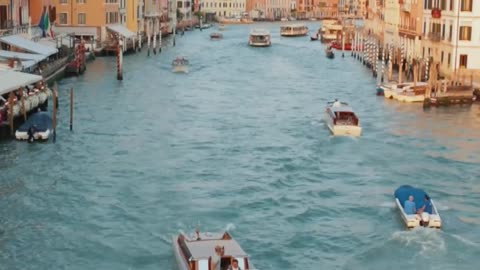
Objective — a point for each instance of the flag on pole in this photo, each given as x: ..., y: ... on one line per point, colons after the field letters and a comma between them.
x: 42, y: 22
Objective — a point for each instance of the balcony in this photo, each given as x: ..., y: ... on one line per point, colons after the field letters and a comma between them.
x: 435, y: 36
x: 408, y: 30
x: 406, y: 7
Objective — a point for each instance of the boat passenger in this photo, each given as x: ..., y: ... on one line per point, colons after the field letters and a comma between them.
x: 409, y: 206
x: 217, y: 258
x: 337, y: 103
x: 427, y: 207
x: 234, y: 265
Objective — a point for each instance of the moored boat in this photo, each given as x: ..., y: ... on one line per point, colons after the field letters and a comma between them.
x: 329, y: 31
x: 197, y: 252
x: 426, y: 212
x: 259, y: 38
x: 391, y: 90
x: 180, y: 65
x: 413, y: 93
x: 36, y: 128
x: 341, y: 120
x: 293, y: 30
x: 216, y: 36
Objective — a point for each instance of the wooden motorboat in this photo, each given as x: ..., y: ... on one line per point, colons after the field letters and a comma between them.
x: 341, y: 120
x: 294, y: 30
x: 259, y: 38
x: 429, y: 216
x: 196, y: 252
x: 329, y: 53
x: 37, y: 128
x: 180, y: 65
x: 216, y: 36
x: 391, y: 90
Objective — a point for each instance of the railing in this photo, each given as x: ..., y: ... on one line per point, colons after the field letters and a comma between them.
x: 407, y: 28
x: 434, y: 36
x: 13, y: 30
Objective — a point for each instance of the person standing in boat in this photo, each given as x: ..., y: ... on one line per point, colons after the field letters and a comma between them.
x: 217, y: 258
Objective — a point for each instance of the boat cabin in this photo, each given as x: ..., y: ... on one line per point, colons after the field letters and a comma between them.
x: 180, y: 61
x: 197, y: 252
x: 342, y: 115
x: 259, y: 36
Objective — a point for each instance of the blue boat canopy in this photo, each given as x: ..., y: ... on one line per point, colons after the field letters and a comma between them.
x: 402, y: 193
x: 40, y: 120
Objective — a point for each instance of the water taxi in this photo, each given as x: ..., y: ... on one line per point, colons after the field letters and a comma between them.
x: 197, y: 251
x: 329, y: 53
x: 341, y: 120
x: 180, y: 65
x: 391, y: 90
x: 428, y: 215
x: 216, y: 36
x: 259, y: 38
x: 294, y: 30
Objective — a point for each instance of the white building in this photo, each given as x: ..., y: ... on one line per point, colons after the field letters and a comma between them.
x: 453, y: 38
x: 276, y: 9
x: 391, y: 35
x: 225, y: 8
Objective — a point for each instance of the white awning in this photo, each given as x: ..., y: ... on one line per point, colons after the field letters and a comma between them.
x: 121, y: 30
x: 77, y: 31
x: 12, y: 80
x: 28, y: 45
x: 22, y: 56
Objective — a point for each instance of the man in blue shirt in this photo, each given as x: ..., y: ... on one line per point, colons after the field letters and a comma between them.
x: 427, y: 207
x: 409, y: 206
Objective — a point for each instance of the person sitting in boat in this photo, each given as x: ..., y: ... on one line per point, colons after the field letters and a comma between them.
x: 409, y: 206
x: 234, y: 265
x: 337, y: 103
x: 427, y: 207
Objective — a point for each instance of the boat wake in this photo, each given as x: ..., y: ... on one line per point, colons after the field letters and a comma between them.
x: 230, y: 227
x: 427, y: 241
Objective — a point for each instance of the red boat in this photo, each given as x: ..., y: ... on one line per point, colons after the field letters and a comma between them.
x: 77, y: 66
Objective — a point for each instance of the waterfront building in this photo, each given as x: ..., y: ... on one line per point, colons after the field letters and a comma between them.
x: 304, y: 8
x: 374, y: 19
x: 328, y: 9
x: 14, y: 15
x: 256, y: 9
x: 227, y: 9
x: 154, y: 14
x: 410, y: 27
x: 391, y: 22
x: 450, y: 34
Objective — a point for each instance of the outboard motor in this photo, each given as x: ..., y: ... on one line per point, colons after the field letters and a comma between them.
x: 30, y: 133
x: 425, y: 219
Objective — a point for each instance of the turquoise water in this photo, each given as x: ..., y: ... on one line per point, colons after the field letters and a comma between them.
x: 238, y: 143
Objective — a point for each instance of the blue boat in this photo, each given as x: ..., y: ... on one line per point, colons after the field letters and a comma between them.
x: 427, y: 218
x: 380, y: 91
x: 37, y: 127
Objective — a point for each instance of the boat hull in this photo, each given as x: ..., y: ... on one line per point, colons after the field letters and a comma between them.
x: 259, y: 44
x: 409, y: 98
x: 342, y: 130
x: 180, y: 69
x: 181, y: 263
x: 37, y: 136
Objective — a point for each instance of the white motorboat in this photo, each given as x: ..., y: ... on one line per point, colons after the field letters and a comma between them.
x: 259, y: 38
x: 195, y: 252
x: 429, y: 217
x: 412, y: 94
x: 37, y: 128
x: 341, y: 120
x: 293, y: 30
x: 180, y: 65
x: 391, y: 90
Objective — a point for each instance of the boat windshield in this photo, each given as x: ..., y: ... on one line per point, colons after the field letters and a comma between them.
x: 180, y: 61
x: 346, y: 118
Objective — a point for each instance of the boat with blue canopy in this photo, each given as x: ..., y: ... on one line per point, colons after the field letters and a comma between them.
x: 36, y: 128
x: 424, y: 211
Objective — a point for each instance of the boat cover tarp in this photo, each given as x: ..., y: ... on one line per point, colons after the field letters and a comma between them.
x: 40, y: 120
x: 22, y: 56
x: 12, y: 80
x: 402, y: 193
x: 28, y: 45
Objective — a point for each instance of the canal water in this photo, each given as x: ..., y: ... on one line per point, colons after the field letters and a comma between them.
x: 239, y: 144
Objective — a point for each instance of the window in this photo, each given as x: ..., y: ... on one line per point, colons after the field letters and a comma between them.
x: 449, y: 58
x: 111, y: 1
x: 441, y: 58
x: 463, y: 60
x: 82, y: 18
x: 81, y: 1
x: 466, y: 5
x: 111, y: 17
x: 451, y: 5
x: 465, y: 33
x: 179, y: 4
x: 443, y: 31
x: 63, y: 1
x: 62, y: 17
x: 450, y: 33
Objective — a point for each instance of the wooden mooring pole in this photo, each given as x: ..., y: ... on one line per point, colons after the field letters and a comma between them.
x: 120, y: 60
x: 71, y: 109
x: 54, y: 112
x: 10, y: 112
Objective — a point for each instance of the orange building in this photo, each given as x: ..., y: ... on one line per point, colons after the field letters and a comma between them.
x: 327, y: 9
